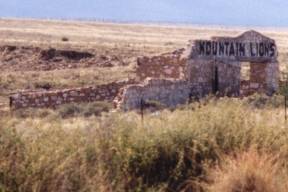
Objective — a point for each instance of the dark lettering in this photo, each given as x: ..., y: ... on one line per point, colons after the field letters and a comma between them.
x: 221, y: 48
x: 266, y: 49
x: 237, y: 49
x: 202, y: 47
x: 253, y: 54
x: 242, y: 49
x: 214, y: 48
x: 227, y: 48
x: 232, y: 51
x: 208, y: 48
x: 272, y: 49
x: 261, y: 49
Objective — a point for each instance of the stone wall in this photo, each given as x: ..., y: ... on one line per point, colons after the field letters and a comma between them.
x: 213, y: 77
x: 169, y: 65
x: 167, y: 92
x: 106, y: 92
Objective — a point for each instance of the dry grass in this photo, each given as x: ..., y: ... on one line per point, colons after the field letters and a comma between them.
x: 63, y: 78
x: 249, y: 172
x: 117, y: 152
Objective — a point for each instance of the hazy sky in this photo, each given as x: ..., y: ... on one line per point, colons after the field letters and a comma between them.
x: 216, y: 12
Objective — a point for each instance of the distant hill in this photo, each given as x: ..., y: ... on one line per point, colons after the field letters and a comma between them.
x: 215, y: 12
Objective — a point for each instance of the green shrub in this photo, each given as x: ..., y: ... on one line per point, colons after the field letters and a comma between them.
x: 33, y: 113
x: 261, y: 101
x: 43, y: 85
x: 84, y: 109
x: 69, y: 110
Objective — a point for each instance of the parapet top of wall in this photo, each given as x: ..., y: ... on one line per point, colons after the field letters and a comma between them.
x: 157, y: 82
x: 248, y: 36
x: 251, y: 46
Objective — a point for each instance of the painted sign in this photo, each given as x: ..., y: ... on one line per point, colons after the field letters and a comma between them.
x: 236, y: 49
x: 250, y: 46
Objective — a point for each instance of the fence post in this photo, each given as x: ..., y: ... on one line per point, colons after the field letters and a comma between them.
x: 142, y: 110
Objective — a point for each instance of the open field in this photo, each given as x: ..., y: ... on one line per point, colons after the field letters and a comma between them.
x: 78, y: 148
x: 121, y: 43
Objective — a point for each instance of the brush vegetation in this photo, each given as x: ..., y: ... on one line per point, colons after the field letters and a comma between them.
x: 181, y: 150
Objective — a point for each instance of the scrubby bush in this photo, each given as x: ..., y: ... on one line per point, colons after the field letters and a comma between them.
x: 43, y: 85
x: 83, y: 109
x: 249, y: 172
x: 65, y: 39
x: 69, y: 110
x: 65, y: 111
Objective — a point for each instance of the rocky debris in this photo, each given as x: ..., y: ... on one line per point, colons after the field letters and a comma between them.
x: 66, y: 54
x: 8, y: 48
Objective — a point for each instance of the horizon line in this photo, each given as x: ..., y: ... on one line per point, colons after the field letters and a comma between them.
x: 151, y: 22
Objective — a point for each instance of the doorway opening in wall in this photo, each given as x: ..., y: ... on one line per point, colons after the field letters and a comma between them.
x: 245, y: 71
x: 215, y: 82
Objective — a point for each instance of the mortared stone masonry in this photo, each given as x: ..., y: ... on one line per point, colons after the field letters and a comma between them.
x: 106, y: 92
x: 168, y: 65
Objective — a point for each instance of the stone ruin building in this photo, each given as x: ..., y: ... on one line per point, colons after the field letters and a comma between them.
x: 205, y: 67
x: 213, y: 67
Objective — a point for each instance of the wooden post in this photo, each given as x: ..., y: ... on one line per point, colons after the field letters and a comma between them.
x: 285, y: 98
x: 142, y: 110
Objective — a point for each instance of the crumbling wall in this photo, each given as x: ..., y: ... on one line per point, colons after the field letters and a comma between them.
x: 264, y: 78
x: 169, y: 65
x: 106, y: 92
x: 168, y: 92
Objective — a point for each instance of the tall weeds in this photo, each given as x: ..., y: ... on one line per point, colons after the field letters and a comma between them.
x: 119, y: 152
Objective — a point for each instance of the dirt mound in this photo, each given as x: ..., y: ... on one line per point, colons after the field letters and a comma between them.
x: 67, y: 54
x: 8, y: 48
x: 29, y: 58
